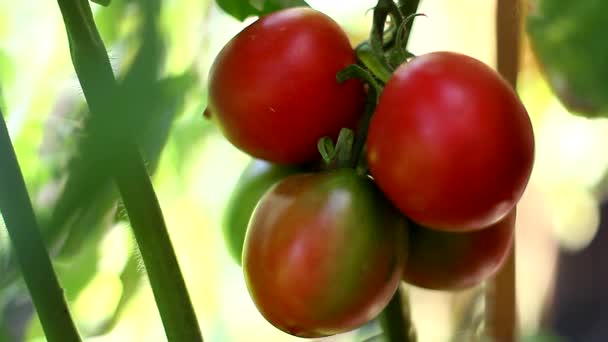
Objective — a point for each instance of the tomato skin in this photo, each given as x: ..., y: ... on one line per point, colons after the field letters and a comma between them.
x: 273, y: 89
x: 441, y: 260
x: 450, y: 142
x: 323, y: 253
x: 257, y: 177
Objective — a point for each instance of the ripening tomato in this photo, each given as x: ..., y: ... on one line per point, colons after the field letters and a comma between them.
x: 323, y: 253
x: 273, y: 89
x: 442, y: 260
x: 253, y: 182
x: 450, y: 143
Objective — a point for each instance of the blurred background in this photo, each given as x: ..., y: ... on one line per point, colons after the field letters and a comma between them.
x: 558, y: 217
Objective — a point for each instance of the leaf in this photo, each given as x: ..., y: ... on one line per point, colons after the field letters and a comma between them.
x: 102, y: 2
x: 275, y: 5
x: 567, y: 38
x: 243, y: 9
x: 239, y: 9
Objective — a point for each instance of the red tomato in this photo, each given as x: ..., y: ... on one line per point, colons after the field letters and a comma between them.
x: 273, y: 88
x: 450, y: 142
x: 450, y: 261
x: 323, y: 253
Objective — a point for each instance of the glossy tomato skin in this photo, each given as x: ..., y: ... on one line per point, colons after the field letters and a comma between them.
x: 257, y: 177
x: 273, y: 88
x: 323, y: 253
x: 441, y: 260
x: 450, y: 142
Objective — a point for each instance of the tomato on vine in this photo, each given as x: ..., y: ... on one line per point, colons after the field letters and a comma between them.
x: 450, y: 143
x: 442, y: 260
x: 273, y: 89
x: 324, y: 253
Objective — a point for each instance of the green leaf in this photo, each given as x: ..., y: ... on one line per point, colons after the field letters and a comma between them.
x: 102, y: 2
x: 275, y: 5
x: 326, y: 148
x: 243, y: 9
x: 239, y: 9
x: 567, y: 38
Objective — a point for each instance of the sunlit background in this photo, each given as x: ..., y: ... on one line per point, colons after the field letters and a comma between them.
x: 198, y: 169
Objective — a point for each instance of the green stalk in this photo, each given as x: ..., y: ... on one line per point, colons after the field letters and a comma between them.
x: 157, y: 252
x: 395, y: 319
x: 119, y: 154
x: 32, y: 256
x: 408, y: 7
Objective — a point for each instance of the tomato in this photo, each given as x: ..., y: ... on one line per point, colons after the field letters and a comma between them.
x: 324, y: 253
x: 441, y: 260
x: 273, y: 89
x: 450, y: 143
x: 253, y: 182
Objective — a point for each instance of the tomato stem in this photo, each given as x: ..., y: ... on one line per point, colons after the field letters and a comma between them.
x: 383, y: 9
x: 408, y: 8
x: 395, y: 319
x: 32, y: 255
x: 115, y: 152
x: 368, y: 58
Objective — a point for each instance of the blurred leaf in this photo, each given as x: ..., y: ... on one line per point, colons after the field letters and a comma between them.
x: 275, y: 5
x: 102, y: 2
x: 7, y: 73
x: 239, y: 9
x: 110, y: 19
x: 84, y: 208
x: 567, y: 38
x: 242, y: 9
x: 130, y: 277
x: 88, y: 179
x: 92, y: 221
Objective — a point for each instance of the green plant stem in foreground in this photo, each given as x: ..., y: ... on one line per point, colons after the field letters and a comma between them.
x: 94, y: 72
x: 157, y: 252
x: 34, y: 261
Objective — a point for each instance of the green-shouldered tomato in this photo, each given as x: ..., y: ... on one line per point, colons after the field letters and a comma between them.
x: 323, y: 253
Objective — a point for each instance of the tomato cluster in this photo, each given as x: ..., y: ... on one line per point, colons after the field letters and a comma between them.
x: 429, y: 198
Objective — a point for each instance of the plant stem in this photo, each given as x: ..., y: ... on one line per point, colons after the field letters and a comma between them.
x: 395, y: 319
x: 118, y: 154
x: 157, y: 252
x: 501, y: 296
x: 408, y: 8
x: 32, y: 256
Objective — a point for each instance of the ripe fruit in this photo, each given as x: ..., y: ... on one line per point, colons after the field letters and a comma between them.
x: 273, y: 89
x: 323, y: 253
x: 450, y: 143
x: 442, y: 260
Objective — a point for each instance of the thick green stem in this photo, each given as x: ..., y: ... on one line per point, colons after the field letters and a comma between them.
x: 32, y: 256
x: 157, y: 252
x: 117, y: 154
x: 395, y: 319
